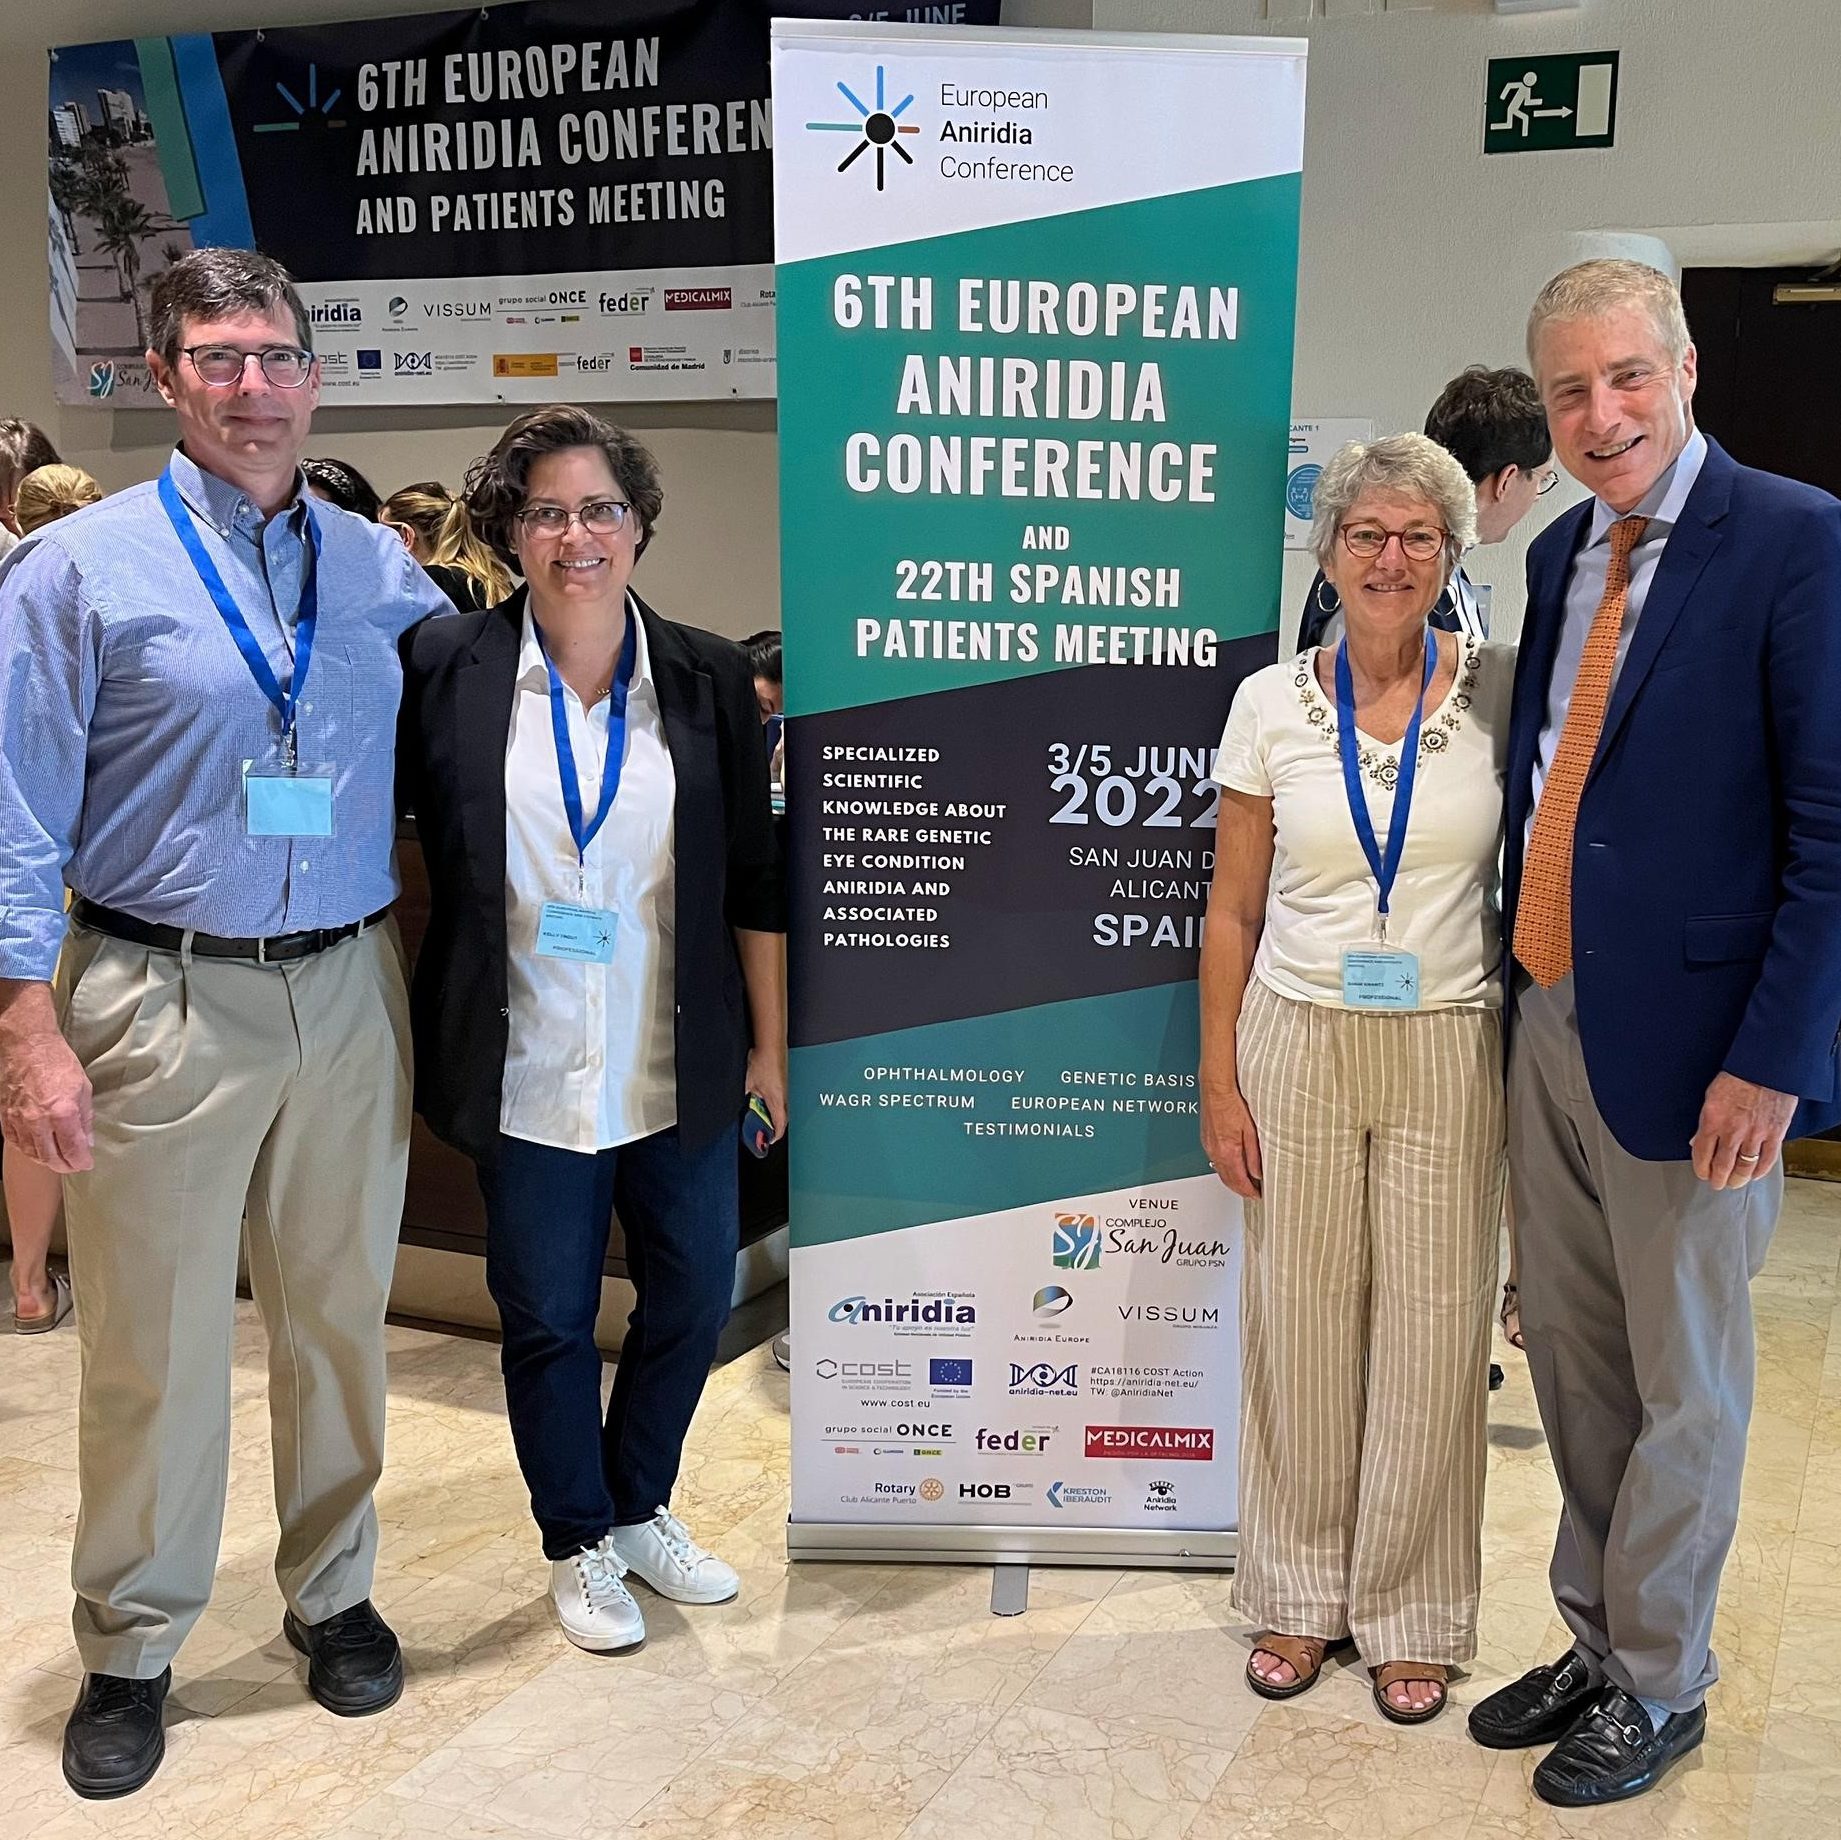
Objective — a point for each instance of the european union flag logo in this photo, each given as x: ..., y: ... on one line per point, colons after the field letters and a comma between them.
x: 949, y: 1373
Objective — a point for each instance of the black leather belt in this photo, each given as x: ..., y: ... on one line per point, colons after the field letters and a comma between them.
x: 277, y: 949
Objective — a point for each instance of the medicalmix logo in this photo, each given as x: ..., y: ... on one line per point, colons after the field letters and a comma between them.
x: 878, y: 129
x: 1170, y: 1443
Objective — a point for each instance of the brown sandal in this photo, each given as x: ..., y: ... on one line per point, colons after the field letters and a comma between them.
x: 1302, y: 1654
x: 1510, y: 1315
x: 1392, y: 1673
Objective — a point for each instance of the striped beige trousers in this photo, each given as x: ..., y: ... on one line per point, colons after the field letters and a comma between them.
x: 1370, y: 1269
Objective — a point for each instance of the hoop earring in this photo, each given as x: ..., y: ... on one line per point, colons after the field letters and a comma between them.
x: 1324, y: 606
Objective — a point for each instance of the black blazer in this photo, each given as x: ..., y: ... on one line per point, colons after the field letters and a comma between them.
x: 459, y: 677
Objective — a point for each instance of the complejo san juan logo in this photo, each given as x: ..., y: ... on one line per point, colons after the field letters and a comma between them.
x: 1077, y: 1242
x: 877, y: 128
x: 102, y: 379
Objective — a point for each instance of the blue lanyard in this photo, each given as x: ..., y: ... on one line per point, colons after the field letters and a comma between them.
x: 585, y: 833
x: 1386, y: 867
x: 306, y: 620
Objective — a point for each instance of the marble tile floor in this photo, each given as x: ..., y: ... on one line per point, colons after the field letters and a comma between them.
x: 857, y: 1702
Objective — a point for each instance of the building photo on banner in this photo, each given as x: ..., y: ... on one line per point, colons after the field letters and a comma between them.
x: 1036, y: 303
x: 510, y: 203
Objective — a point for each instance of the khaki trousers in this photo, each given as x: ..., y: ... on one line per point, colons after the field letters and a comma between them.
x: 1370, y: 1269
x: 227, y: 1091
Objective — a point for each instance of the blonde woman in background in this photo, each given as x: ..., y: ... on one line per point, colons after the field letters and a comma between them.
x: 48, y: 493
x: 41, y: 1297
x: 438, y: 531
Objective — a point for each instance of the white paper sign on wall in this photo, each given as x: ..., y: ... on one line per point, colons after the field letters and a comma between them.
x: 1312, y: 444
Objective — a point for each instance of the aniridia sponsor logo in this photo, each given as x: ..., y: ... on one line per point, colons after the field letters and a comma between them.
x: 1165, y: 1443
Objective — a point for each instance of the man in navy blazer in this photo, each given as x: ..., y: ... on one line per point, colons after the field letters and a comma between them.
x: 1673, y: 890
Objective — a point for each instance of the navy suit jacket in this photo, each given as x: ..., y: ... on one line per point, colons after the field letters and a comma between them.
x: 1707, y: 858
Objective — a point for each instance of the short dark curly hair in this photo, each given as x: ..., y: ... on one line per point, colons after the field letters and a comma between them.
x: 498, y: 482
x: 1489, y: 420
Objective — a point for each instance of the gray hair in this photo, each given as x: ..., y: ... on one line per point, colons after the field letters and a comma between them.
x: 1588, y: 290
x: 212, y: 284
x: 1402, y: 466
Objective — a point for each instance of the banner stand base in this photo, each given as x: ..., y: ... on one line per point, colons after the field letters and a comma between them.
x: 1127, y: 1548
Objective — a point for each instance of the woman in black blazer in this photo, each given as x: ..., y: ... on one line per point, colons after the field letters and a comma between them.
x: 602, y: 984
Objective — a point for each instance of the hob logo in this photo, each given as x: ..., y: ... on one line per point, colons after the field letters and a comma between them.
x: 878, y: 128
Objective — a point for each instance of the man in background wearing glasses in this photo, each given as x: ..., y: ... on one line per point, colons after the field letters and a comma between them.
x: 198, y: 696
x: 1494, y: 424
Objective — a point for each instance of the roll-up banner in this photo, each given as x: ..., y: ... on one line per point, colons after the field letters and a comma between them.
x: 568, y: 198
x: 1036, y: 295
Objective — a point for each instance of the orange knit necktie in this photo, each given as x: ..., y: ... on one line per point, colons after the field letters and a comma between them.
x: 1544, y: 914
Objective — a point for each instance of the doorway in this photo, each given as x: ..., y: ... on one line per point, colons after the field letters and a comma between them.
x: 1770, y: 375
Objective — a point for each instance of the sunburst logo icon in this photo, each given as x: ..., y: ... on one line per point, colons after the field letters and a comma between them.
x: 879, y: 128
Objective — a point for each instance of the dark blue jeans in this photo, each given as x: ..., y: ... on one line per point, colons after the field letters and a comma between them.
x: 547, y: 1217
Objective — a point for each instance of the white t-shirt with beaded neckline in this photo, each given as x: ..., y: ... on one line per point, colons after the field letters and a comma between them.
x: 1280, y: 744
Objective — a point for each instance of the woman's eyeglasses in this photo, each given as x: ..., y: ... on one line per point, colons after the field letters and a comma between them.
x: 1367, y: 541
x: 600, y: 517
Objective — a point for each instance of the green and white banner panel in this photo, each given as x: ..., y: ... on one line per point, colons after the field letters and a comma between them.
x: 1035, y: 304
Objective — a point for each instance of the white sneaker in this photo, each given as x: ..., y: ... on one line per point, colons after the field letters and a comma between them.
x: 662, y: 1552
x: 596, y: 1610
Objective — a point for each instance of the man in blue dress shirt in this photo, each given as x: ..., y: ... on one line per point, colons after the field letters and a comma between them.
x: 198, y: 697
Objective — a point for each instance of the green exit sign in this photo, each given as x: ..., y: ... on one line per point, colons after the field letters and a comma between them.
x: 1540, y: 104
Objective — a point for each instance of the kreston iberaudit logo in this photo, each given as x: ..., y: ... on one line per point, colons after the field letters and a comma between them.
x: 876, y: 128
x: 315, y: 112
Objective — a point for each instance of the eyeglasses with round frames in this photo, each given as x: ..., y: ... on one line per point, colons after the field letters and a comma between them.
x: 1421, y: 543
x: 287, y: 367
x: 601, y: 517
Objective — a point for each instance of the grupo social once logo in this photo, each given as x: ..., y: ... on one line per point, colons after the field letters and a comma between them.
x: 878, y: 129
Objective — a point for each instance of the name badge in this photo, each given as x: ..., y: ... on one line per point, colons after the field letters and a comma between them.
x: 1380, y: 977
x: 583, y: 935
x: 281, y: 804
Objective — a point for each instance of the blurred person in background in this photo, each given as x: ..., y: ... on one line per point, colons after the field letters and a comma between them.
x: 438, y: 531
x: 24, y: 447
x: 338, y: 482
x: 1492, y: 423
x: 34, y: 1194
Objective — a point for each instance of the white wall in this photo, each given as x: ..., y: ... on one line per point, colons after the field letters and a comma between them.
x: 1728, y: 146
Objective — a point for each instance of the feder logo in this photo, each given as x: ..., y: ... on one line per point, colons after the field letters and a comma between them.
x: 878, y: 128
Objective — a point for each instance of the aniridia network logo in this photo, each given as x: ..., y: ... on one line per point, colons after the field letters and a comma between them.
x: 878, y: 128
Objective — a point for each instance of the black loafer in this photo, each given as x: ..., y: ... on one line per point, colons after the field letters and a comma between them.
x: 1614, y: 1752
x: 354, y: 1661
x: 115, y: 1737
x: 1541, y: 1706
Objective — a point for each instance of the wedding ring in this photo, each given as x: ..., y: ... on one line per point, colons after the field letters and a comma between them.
x: 1743, y: 1158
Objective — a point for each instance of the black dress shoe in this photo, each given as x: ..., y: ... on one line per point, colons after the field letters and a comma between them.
x: 1614, y: 1752
x: 115, y: 1737
x: 354, y: 1661
x: 1539, y: 1707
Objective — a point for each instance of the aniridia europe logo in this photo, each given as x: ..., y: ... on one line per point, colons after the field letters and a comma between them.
x: 877, y: 128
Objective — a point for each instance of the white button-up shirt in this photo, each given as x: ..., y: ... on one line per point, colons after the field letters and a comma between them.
x: 591, y: 1061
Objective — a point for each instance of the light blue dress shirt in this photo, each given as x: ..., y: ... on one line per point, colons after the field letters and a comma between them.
x: 127, y: 715
x: 1662, y: 506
